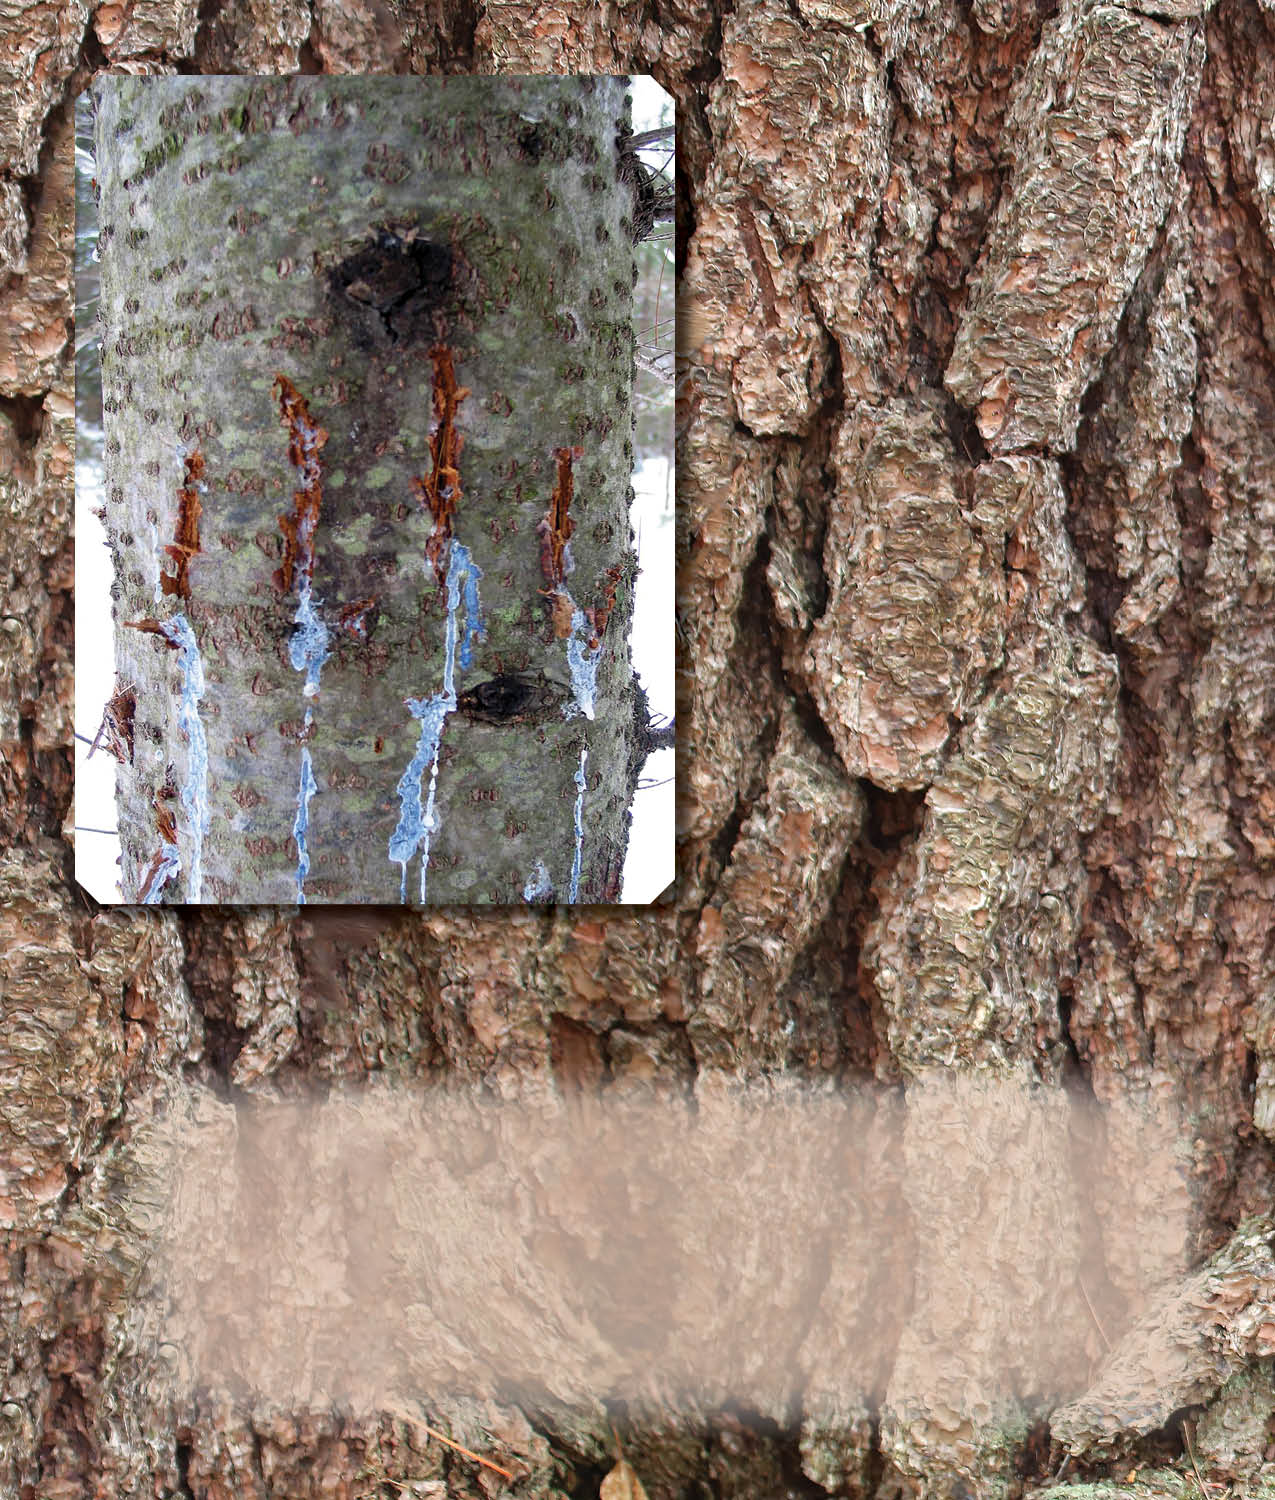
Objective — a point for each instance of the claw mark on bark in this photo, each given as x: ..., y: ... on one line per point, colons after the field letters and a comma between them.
x: 164, y: 865
x: 165, y: 821
x: 353, y: 618
x: 417, y: 825
x: 453, y: 565
x: 178, y: 635
x: 441, y: 491
x: 613, y: 879
x: 185, y: 542
x: 308, y: 648
x: 166, y: 862
x: 149, y: 626
x: 601, y: 613
x: 305, y: 441
x: 579, y: 627
x: 117, y: 726
x: 556, y: 528
x: 582, y: 629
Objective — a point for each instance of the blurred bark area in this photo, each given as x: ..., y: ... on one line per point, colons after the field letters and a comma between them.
x: 977, y: 653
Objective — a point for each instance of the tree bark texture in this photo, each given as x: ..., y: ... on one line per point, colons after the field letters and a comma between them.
x: 367, y: 355
x: 976, y: 651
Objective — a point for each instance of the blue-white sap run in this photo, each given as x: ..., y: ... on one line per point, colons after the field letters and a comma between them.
x: 416, y: 824
x: 301, y: 823
x: 195, y: 788
x: 307, y: 650
x: 583, y: 662
x: 538, y: 887
x: 156, y: 552
x: 169, y: 865
x: 581, y: 784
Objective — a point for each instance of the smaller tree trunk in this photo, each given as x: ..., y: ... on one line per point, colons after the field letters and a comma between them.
x: 367, y: 364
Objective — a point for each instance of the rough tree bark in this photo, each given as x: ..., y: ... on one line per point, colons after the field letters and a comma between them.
x: 367, y: 354
x: 977, y: 647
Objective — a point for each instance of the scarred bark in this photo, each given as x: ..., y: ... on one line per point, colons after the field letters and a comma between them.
x: 342, y: 403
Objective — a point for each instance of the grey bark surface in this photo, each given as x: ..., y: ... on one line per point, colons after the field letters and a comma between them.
x: 233, y: 218
x: 1080, y: 357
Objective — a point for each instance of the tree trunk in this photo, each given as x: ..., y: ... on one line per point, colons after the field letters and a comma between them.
x: 976, y: 651
x: 360, y: 339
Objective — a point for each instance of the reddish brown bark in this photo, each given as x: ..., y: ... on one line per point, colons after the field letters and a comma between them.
x: 976, y: 651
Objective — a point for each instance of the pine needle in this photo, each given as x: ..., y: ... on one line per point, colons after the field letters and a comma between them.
x: 450, y: 1442
x: 1191, y: 1455
x: 1102, y: 1332
x: 477, y: 1457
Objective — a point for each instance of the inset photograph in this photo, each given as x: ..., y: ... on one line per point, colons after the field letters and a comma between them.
x: 374, y: 487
